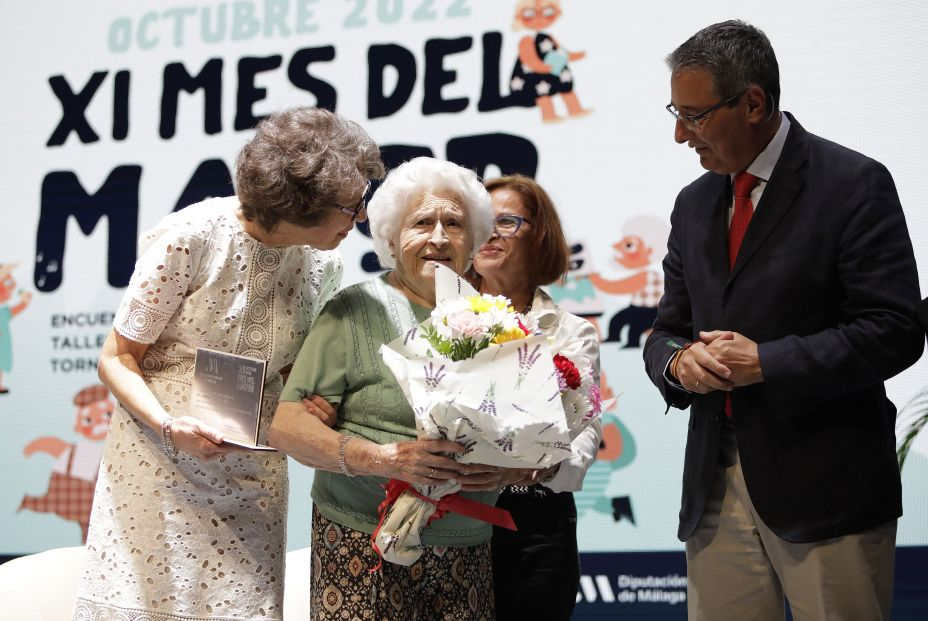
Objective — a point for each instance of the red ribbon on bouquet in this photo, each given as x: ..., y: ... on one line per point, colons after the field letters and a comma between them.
x: 455, y: 503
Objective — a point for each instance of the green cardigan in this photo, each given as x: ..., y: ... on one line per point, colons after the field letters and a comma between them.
x: 340, y: 360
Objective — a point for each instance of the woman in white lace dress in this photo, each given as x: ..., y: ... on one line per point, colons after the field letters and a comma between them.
x: 183, y: 525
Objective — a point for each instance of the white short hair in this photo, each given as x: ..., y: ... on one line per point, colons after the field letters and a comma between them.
x: 412, y: 180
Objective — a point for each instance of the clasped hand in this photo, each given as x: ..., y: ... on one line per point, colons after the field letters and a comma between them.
x: 719, y: 360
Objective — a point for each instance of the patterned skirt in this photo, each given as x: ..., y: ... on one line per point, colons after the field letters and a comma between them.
x: 445, y: 584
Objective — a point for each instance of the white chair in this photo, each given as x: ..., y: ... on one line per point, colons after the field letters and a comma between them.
x: 296, y: 585
x: 43, y: 586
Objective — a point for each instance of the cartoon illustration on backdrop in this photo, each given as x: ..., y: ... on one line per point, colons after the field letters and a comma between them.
x: 575, y: 293
x: 639, y: 254
x: 542, y: 71
x: 616, y: 451
x: 74, y: 473
x: 7, y: 287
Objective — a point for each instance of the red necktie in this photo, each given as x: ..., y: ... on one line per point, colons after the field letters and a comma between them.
x: 740, y: 219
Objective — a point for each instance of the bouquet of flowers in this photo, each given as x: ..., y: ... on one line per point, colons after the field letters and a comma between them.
x: 475, y: 374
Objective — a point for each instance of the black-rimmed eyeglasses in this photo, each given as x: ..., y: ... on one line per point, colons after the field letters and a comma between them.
x: 355, y: 211
x: 693, y: 122
x: 508, y: 224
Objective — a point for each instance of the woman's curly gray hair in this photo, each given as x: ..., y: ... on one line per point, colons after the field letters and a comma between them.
x: 300, y: 162
x: 412, y: 180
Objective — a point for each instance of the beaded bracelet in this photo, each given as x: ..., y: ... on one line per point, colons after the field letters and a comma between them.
x: 167, y: 442
x: 676, y: 360
x: 342, y: 450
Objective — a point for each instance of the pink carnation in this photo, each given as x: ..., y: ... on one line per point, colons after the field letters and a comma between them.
x: 465, y: 324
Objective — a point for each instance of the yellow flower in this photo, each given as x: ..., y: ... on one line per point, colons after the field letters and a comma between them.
x: 483, y: 304
x: 513, y: 334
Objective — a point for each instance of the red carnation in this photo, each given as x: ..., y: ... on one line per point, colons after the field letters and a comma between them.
x: 568, y: 371
x: 523, y: 328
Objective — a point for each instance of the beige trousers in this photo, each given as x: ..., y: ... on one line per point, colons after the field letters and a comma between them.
x: 739, y: 570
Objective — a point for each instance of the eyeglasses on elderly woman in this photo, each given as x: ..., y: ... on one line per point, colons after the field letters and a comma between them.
x: 355, y: 211
x: 509, y: 224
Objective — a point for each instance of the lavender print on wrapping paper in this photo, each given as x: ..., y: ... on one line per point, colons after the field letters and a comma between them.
x: 466, y: 442
x: 526, y: 361
x: 471, y: 424
x: 561, y: 382
x: 410, y: 335
x: 488, y: 405
x: 505, y: 443
x: 443, y: 431
x: 433, y: 376
x: 561, y: 446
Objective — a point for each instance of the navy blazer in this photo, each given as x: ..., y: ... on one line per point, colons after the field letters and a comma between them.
x: 825, y: 282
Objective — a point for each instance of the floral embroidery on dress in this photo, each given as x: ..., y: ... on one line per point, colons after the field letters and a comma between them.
x: 177, y: 537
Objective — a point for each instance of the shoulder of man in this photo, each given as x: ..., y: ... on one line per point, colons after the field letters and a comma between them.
x: 837, y: 159
x: 708, y: 184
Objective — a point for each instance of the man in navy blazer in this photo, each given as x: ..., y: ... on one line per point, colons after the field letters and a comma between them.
x: 790, y: 296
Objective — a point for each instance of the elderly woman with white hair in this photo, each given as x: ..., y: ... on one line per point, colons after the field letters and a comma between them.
x: 426, y: 212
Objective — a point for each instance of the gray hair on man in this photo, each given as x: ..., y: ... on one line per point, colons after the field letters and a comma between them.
x: 735, y: 54
x: 409, y: 182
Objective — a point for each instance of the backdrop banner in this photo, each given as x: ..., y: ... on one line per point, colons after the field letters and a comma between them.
x: 119, y: 113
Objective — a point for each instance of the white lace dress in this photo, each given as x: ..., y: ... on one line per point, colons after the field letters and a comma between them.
x: 182, y: 538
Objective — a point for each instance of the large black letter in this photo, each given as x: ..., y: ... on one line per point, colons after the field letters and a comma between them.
x: 379, y: 57
x: 63, y: 197
x: 211, y: 178
x: 72, y: 109
x: 490, y: 97
x: 121, y: 105
x: 248, y: 93
x: 176, y: 79
x: 513, y: 154
x: 298, y: 72
x: 436, y: 76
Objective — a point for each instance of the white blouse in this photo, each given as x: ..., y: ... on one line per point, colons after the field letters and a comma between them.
x: 570, y: 333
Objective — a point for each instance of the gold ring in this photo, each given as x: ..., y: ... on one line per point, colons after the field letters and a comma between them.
x: 431, y: 474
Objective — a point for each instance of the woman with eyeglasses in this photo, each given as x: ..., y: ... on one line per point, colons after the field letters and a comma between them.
x: 426, y: 212
x: 536, y: 570
x: 184, y: 525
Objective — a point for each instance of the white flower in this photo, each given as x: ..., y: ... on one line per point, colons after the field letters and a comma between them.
x: 517, y: 83
x: 543, y: 88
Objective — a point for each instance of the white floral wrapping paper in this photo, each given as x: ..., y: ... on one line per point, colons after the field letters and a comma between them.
x: 504, y: 406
